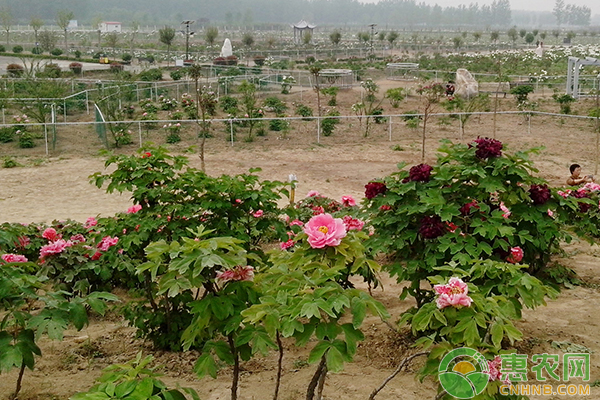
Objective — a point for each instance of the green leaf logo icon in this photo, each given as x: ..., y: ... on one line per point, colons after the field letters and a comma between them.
x: 463, y: 380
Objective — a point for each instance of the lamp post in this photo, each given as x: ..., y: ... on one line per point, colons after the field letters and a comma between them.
x: 187, y: 38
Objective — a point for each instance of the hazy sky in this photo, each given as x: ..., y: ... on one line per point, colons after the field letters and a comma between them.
x: 535, y: 5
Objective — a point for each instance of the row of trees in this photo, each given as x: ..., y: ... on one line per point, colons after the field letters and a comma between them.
x: 248, y: 12
x: 571, y: 14
x: 63, y: 18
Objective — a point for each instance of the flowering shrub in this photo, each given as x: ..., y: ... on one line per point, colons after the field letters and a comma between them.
x: 167, y: 104
x: 170, y: 199
x: 287, y: 82
x: 307, y: 293
x: 173, y: 132
x: 21, y: 326
x: 475, y: 202
x: 478, y: 315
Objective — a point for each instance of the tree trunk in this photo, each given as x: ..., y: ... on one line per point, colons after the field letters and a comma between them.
x: 236, y: 368
x: 279, y: 366
x: 310, y: 393
x: 19, y: 380
x: 321, y: 384
x: 425, y: 116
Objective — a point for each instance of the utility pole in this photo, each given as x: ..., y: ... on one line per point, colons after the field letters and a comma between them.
x: 372, y: 50
x: 187, y: 38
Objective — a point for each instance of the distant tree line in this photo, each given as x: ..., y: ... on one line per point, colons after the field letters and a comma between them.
x: 570, y: 14
x: 409, y: 13
x: 249, y: 12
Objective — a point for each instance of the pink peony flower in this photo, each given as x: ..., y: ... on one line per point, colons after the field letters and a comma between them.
x: 313, y: 193
x: 385, y: 207
x: 79, y: 238
x: 352, y: 223
x: 591, y: 187
x: 238, y: 273
x: 133, y: 209
x: 287, y: 244
x: 348, y: 201
x: 494, y: 367
x: 515, y: 256
x: 107, y: 242
x: 55, y: 247
x: 51, y: 235
x: 551, y: 213
x: 13, y: 258
x: 96, y: 256
x: 505, y: 209
x: 317, y: 210
x: 324, y: 230
x: 258, y: 214
x: 564, y: 194
x: 24, y: 241
x: 454, y: 293
x: 90, y: 222
x: 297, y: 222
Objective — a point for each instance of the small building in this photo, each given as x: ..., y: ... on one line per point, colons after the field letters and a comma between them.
x: 302, y: 28
x: 72, y: 24
x: 106, y: 27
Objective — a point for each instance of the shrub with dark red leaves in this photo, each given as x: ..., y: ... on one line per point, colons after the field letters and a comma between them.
x: 488, y: 148
x: 372, y: 189
x: 467, y: 208
x: 420, y: 173
x: 432, y: 227
x: 540, y: 194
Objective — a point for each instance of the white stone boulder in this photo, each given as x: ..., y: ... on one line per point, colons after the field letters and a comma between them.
x: 226, y: 50
x: 466, y: 85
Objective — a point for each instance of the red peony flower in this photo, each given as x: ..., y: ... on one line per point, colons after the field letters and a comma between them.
x: 582, y: 194
x: 466, y: 209
x: 51, y: 235
x: 420, y: 173
x: 488, y: 148
x: 352, y: 223
x: 516, y: 255
x: 372, y: 189
x: 432, y: 227
x: 540, y: 194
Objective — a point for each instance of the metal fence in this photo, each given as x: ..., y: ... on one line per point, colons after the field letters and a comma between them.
x: 392, y: 128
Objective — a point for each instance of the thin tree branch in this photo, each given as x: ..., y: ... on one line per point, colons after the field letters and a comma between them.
x: 396, y: 372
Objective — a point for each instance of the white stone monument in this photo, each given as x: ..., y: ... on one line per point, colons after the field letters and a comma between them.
x: 466, y: 85
x: 226, y: 50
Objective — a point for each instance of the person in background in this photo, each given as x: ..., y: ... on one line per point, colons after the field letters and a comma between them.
x: 576, y: 179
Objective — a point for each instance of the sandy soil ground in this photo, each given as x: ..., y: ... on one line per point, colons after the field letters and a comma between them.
x: 58, y: 188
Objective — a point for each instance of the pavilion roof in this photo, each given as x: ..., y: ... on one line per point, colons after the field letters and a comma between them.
x: 303, y: 25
